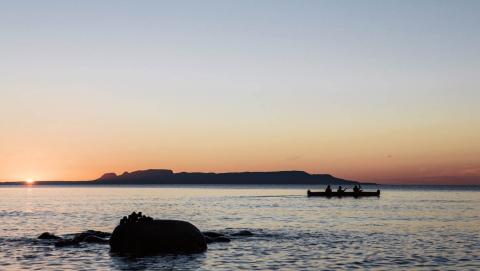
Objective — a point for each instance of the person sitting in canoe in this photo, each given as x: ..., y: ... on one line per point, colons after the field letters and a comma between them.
x: 357, y: 189
x: 340, y: 190
x: 328, y: 190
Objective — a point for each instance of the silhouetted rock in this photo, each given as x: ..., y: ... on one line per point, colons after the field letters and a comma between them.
x: 242, y: 233
x: 89, y: 236
x: 135, y: 218
x: 208, y: 240
x: 215, y: 237
x: 100, y: 234
x: 157, y: 236
x: 67, y: 242
x: 220, y: 239
x: 94, y: 239
x: 212, y: 234
x: 48, y: 236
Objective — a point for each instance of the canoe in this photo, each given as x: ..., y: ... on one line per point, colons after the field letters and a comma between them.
x: 344, y: 194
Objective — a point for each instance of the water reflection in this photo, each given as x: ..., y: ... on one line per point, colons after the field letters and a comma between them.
x: 166, y: 262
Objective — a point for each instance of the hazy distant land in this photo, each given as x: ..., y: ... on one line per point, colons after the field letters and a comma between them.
x: 167, y: 176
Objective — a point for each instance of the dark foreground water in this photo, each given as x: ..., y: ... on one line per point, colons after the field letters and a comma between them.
x: 421, y: 228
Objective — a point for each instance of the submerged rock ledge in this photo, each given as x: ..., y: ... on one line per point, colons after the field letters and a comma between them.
x: 139, y: 235
x: 89, y: 236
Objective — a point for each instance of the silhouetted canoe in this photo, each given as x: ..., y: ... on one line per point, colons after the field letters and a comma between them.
x: 344, y: 194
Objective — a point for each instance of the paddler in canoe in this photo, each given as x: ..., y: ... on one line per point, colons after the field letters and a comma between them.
x: 341, y: 192
x: 357, y: 189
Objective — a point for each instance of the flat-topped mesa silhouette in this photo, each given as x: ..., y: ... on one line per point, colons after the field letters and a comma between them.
x: 166, y: 176
x: 137, y: 175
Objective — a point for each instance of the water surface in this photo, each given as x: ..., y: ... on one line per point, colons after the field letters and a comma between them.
x: 422, y: 228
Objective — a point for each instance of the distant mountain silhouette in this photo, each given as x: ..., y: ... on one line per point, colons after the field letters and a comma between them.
x: 166, y: 176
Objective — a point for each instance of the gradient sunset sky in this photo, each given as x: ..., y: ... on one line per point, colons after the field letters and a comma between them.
x: 385, y: 91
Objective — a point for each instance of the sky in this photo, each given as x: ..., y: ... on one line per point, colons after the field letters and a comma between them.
x: 384, y: 91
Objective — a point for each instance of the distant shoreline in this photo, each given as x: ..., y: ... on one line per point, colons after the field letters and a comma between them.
x: 168, y: 177
x: 90, y: 183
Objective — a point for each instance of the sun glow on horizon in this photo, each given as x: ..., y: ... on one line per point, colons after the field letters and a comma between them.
x: 30, y: 181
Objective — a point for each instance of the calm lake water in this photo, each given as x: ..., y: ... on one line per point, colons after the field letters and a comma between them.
x: 421, y: 228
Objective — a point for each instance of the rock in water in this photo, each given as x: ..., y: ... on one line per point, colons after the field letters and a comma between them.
x: 67, y: 242
x: 212, y: 234
x: 48, y: 236
x: 100, y: 234
x: 94, y: 239
x: 157, y: 236
x: 242, y: 233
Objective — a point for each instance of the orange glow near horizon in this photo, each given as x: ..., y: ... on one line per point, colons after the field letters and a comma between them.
x: 391, y: 155
x: 367, y: 149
